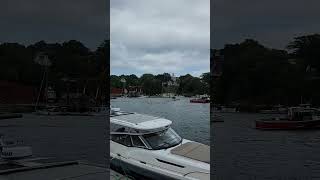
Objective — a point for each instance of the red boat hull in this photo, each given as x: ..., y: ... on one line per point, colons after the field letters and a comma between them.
x: 286, y: 124
x: 199, y: 101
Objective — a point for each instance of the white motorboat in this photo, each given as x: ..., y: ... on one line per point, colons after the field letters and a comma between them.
x: 146, y: 147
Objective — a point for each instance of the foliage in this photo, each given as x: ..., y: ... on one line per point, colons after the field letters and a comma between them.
x: 71, y: 60
x: 255, y: 74
x: 157, y: 84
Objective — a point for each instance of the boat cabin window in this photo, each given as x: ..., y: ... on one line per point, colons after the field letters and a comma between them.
x: 136, y: 141
x: 123, y: 139
x: 163, y: 139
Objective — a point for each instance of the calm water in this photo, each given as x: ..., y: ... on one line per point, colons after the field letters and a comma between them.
x: 242, y: 152
x: 62, y: 137
x: 190, y: 120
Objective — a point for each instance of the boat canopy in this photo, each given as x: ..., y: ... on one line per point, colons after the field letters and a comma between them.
x: 133, y: 123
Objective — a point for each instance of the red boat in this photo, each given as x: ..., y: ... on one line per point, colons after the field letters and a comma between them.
x: 297, y: 118
x: 200, y: 100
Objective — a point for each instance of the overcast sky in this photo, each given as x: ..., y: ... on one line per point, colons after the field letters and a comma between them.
x: 153, y: 36
x: 29, y: 21
x: 273, y: 22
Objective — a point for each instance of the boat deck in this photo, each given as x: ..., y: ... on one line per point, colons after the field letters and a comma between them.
x: 193, y: 150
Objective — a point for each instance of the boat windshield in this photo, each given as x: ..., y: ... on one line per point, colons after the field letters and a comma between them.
x: 163, y: 139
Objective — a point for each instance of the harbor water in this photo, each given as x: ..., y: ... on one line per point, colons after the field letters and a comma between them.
x: 86, y: 137
x: 190, y: 120
x: 61, y: 137
x: 242, y: 152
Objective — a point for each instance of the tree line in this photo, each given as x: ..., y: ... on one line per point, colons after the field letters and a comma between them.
x: 187, y: 85
x: 255, y: 74
x: 85, y: 68
x: 70, y: 60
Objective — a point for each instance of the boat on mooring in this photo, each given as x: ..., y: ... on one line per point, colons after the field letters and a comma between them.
x: 224, y: 109
x: 175, y: 98
x: 297, y: 118
x: 146, y: 147
x: 200, y: 100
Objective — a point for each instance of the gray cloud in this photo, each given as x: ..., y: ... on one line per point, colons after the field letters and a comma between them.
x: 272, y: 22
x: 54, y: 21
x: 151, y: 36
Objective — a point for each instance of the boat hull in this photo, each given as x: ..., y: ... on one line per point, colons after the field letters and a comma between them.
x: 136, y: 171
x: 285, y: 124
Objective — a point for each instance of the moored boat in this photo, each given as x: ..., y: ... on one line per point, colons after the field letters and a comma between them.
x: 224, y: 109
x: 297, y: 118
x: 200, y: 100
x: 146, y: 147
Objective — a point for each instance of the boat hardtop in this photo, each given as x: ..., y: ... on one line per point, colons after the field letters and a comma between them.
x: 140, y: 121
